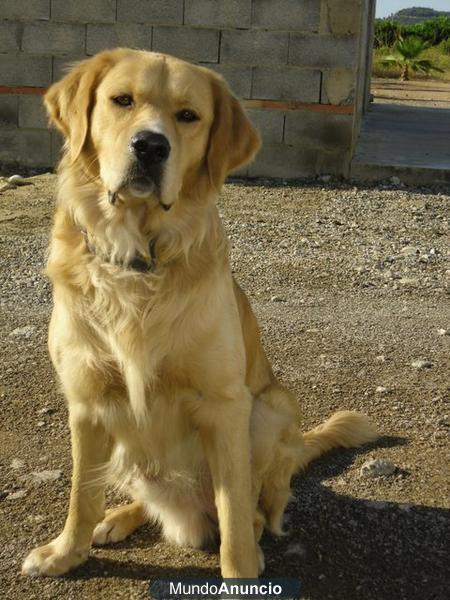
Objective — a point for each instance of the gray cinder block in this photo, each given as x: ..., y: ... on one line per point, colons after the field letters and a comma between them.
x: 30, y: 147
x: 25, y: 9
x: 132, y: 35
x: 338, y: 86
x: 213, y: 13
x: 320, y: 129
x: 269, y: 122
x: 297, y: 162
x: 32, y: 112
x: 10, y: 34
x: 340, y: 19
x: 84, y: 11
x: 332, y: 162
x: 286, y: 83
x: 289, y: 15
x: 156, y: 12
x: 23, y: 69
x: 53, y: 38
x: 62, y: 64
x: 254, y: 47
x: 322, y: 51
x: 239, y: 78
x: 9, y: 109
x: 201, y: 45
x: 287, y: 162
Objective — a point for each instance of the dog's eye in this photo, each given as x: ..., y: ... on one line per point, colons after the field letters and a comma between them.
x: 124, y: 100
x: 187, y: 116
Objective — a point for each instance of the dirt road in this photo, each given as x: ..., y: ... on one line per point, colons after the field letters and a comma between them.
x: 350, y: 288
x: 421, y: 92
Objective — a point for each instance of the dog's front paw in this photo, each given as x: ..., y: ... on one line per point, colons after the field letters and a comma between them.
x: 52, y: 560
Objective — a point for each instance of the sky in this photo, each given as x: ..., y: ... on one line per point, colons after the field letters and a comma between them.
x: 387, y: 7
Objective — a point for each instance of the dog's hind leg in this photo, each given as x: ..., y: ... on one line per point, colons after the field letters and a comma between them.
x: 119, y: 523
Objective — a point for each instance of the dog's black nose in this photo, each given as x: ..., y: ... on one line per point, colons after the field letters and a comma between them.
x: 149, y: 147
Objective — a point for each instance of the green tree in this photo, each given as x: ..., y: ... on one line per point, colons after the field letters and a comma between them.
x: 386, y: 33
x: 407, y: 56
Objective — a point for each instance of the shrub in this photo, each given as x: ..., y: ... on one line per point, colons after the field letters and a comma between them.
x: 445, y: 46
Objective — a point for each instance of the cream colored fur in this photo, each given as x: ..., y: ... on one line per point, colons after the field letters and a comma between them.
x: 170, y: 394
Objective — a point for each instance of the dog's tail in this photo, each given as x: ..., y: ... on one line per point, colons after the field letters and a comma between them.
x: 344, y: 429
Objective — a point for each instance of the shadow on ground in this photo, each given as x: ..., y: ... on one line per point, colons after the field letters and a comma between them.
x: 338, y: 546
x: 345, y: 548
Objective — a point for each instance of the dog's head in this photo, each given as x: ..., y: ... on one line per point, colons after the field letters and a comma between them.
x: 146, y: 124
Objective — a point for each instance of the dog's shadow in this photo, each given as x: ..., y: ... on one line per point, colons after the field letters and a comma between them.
x: 339, y: 547
x: 343, y: 548
x: 126, y: 568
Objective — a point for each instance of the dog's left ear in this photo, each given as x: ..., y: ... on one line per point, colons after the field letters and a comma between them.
x: 233, y: 141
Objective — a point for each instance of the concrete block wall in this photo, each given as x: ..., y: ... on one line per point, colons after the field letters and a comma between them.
x: 293, y: 62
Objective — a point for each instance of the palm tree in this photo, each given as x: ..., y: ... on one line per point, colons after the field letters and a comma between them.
x: 406, y: 56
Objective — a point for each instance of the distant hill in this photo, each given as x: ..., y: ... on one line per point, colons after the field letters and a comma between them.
x: 411, y: 16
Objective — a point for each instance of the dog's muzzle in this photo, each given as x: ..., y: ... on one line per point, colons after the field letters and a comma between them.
x: 150, y: 150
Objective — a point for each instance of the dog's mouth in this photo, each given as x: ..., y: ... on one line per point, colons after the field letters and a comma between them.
x: 139, y: 186
x: 142, y: 186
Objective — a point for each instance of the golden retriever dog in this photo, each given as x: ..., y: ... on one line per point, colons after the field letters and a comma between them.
x: 170, y: 393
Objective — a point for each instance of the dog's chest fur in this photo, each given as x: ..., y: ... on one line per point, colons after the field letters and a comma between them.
x: 144, y: 334
x: 143, y: 338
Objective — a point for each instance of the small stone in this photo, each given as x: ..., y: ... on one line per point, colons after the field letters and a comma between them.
x: 17, y: 495
x: 381, y: 358
x: 39, y: 477
x: 395, y: 180
x: 40, y: 424
x: 18, y: 180
x: 25, y: 331
x: 17, y: 463
x: 409, y: 281
x: 422, y: 364
x: 380, y: 389
x: 377, y: 467
x: 36, y: 518
x: 47, y: 410
x: 325, y: 178
x: 276, y: 299
x: 442, y: 331
x: 297, y: 549
x: 409, y: 250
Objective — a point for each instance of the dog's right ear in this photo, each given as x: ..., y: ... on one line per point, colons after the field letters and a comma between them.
x: 69, y: 102
x: 233, y: 141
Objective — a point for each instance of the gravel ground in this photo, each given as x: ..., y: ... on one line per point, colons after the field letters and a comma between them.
x: 349, y: 284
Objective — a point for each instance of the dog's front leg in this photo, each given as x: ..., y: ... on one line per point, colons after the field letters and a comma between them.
x: 90, y: 450
x: 227, y: 446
